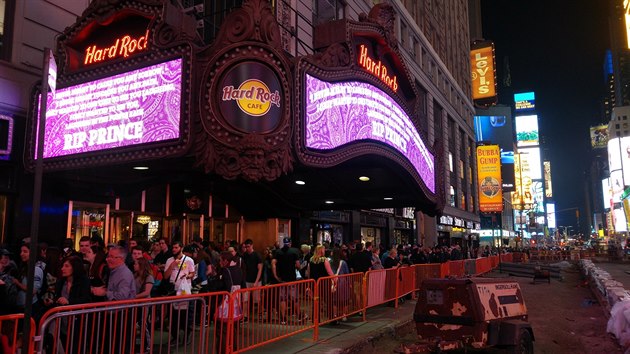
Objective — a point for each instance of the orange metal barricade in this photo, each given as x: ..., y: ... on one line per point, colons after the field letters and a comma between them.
x: 158, y: 325
x: 426, y: 271
x: 456, y: 268
x: 484, y: 265
x: 381, y: 286
x: 494, y: 261
x: 10, y: 334
x: 407, y: 280
x: 274, y: 312
x: 507, y: 257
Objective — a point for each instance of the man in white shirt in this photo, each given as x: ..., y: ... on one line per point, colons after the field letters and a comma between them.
x: 180, y: 270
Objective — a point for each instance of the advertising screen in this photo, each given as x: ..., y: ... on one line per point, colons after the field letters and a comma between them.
x: 606, y: 193
x: 499, y: 130
x: 535, y: 164
x: 547, y: 178
x: 526, y: 130
x: 522, y: 198
x: 537, y: 194
x: 137, y: 107
x: 614, y: 154
x: 489, y: 178
x: 344, y: 112
x: 524, y: 101
x: 625, y: 158
x: 616, y: 185
x: 551, y: 215
x: 620, y: 220
x: 599, y: 136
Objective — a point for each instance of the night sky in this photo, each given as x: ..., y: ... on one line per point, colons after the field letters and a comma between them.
x: 556, y: 49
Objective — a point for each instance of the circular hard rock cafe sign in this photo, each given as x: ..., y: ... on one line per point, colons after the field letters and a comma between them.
x: 250, y: 98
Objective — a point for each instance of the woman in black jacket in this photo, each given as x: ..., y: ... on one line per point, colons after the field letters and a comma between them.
x: 72, y: 288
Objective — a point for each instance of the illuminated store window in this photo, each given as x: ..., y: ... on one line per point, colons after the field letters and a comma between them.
x: 327, y: 10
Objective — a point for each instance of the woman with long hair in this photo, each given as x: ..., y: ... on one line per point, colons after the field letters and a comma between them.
x: 341, y: 297
x: 98, y: 272
x: 72, y: 287
x: 21, y: 281
x: 144, y: 278
x: 319, y: 266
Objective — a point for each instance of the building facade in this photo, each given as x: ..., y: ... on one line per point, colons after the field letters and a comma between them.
x: 434, y: 53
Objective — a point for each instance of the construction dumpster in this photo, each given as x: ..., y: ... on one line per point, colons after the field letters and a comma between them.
x: 472, y: 312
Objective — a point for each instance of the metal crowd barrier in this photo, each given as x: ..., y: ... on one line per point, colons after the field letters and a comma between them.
x: 195, y: 323
x: 10, y: 334
x: 273, y: 312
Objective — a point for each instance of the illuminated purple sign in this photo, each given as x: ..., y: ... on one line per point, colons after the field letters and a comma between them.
x: 340, y: 113
x: 137, y: 107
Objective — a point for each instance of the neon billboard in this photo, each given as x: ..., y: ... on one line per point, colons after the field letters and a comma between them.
x: 340, y: 113
x: 137, y: 107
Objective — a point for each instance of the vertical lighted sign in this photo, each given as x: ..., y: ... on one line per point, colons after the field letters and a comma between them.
x: 547, y: 175
x: 483, y: 71
x: 489, y: 178
x: 522, y: 196
x: 626, y: 8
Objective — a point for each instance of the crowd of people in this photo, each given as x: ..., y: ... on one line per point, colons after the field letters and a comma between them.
x: 142, y: 269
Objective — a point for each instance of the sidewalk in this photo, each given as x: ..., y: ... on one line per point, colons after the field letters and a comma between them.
x: 347, y: 337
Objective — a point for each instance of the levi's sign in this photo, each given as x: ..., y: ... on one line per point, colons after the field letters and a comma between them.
x: 377, y: 68
x: 122, y: 47
x: 483, y: 78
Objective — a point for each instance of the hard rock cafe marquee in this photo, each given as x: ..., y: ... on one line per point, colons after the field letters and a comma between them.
x: 136, y: 84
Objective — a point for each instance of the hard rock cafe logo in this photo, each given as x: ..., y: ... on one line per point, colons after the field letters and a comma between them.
x: 253, y: 97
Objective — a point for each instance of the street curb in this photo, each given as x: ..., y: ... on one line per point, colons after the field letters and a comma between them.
x: 395, y: 330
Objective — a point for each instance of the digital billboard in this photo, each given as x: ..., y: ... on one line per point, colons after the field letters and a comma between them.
x: 551, y: 215
x: 538, y: 196
x: 489, y: 178
x: 625, y: 158
x: 499, y: 130
x: 535, y: 163
x: 607, y: 193
x: 547, y: 178
x: 526, y: 130
x: 522, y: 196
x: 137, y: 107
x: 340, y: 113
x: 614, y: 154
x: 524, y: 101
x: 599, y: 136
x: 483, y: 71
x: 616, y: 185
x: 620, y: 220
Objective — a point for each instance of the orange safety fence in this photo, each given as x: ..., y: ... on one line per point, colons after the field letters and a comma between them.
x: 381, y: 286
x: 456, y: 268
x: 407, y: 280
x: 338, y: 297
x: 484, y: 265
x: 507, y: 257
x: 426, y: 271
x: 11, y: 334
x: 157, y: 325
x: 273, y: 312
x: 494, y: 261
